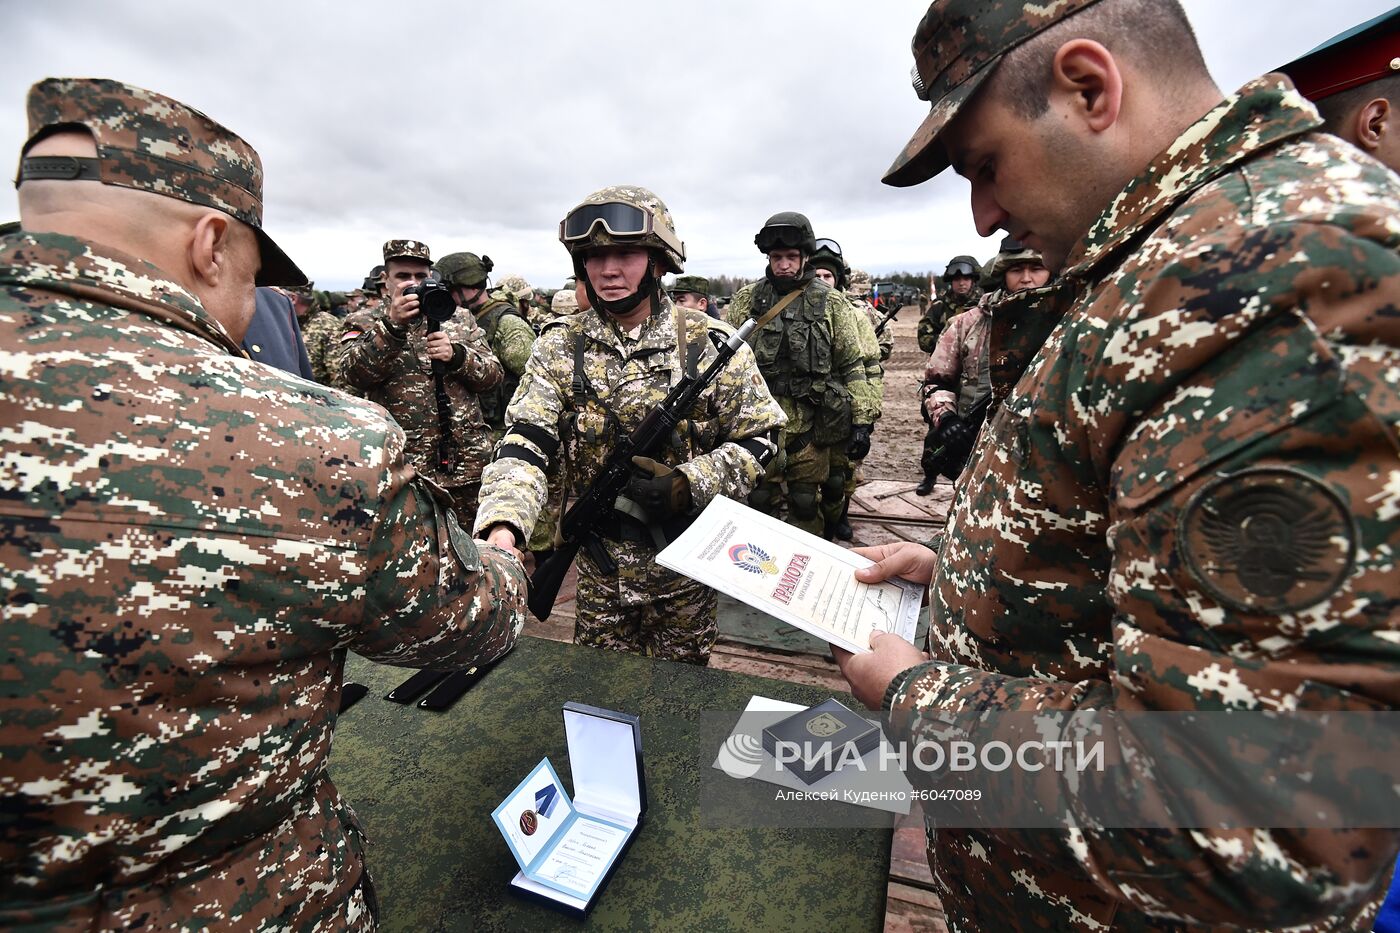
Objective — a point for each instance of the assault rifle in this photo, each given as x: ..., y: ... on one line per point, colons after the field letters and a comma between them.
x: 582, y: 524
x: 889, y: 315
x: 951, y: 457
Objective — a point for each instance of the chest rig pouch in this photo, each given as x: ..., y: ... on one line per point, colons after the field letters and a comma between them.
x: 796, y: 355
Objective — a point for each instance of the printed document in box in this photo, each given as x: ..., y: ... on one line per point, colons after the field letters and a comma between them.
x: 791, y: 575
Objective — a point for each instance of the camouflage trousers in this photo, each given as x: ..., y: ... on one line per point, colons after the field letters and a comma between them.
x: 840, y: 482
x: 644, y: 608
x: 797, y: 485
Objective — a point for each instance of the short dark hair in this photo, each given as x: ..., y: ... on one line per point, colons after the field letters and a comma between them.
x: 1154, y: 32
x: 1337, y: 109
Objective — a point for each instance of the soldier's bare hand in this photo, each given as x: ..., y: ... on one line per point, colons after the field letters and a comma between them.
x: 403, y: 308
x: 913, y: 562
x: 870, y: 674
x: 502, y: 537
x: 439, y: 346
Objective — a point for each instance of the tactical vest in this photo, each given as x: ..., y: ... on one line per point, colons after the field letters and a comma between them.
x: 795, y: 352
x: 494, y: 401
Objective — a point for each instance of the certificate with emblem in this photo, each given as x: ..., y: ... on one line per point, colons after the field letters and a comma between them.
x: 791, y: 575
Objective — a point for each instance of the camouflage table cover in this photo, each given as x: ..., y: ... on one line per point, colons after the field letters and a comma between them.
x: 424, y: 785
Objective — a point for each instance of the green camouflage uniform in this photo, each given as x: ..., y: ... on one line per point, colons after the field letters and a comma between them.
x: 721, y: 449
x: 825, y: 377
x: 510, y: 338
x: 191, y: 542
x: 395, y: 372
x: 321, y: 333
x: 942, y: 309
x: 841, y: 481
x: 1230, y: 328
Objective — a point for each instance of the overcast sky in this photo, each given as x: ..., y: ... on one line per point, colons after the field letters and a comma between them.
x: 477, y: 125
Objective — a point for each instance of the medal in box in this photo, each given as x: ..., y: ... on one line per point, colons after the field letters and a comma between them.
x: 568, y: 849
x: 817, y: 741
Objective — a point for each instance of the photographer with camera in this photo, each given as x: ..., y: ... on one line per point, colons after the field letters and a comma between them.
x: 426, y: 364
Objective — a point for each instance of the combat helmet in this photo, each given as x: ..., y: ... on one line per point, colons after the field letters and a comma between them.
x: 514, y: 288
x: 624, y: 215
x: 464, y: 270
x: 860, y: 283
x: 962, y: 265
x: 827, y: 255
x: 786, y: 229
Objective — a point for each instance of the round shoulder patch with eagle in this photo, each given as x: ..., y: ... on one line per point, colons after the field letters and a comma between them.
x: 1269, y: 539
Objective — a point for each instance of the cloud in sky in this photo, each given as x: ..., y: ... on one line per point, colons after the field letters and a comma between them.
x: 476, y: 126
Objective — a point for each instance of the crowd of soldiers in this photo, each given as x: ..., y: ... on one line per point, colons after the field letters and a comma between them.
x: 1182, y: 497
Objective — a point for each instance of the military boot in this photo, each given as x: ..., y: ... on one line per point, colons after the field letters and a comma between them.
x: 842, y: 528
x: 926, y: 486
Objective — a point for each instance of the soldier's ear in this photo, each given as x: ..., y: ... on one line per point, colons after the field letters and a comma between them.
x: 210, y: 247
x: 1370, y: 124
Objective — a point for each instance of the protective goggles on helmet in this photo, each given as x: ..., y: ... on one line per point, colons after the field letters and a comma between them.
x: 619, y: 219
x: 960, y: 268
x: 829, y: 245
x: 784, y: 235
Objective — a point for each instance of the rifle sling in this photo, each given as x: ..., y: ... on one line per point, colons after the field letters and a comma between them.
x: 773, y: 312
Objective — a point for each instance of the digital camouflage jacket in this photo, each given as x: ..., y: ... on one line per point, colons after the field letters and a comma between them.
x: 395, y: 372
x: 191, y: 541
x: 1228, y: 361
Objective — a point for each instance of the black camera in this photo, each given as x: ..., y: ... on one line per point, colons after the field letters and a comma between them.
x: 434, y: 300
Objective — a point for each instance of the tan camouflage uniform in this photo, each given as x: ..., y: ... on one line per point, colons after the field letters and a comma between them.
x: 395, y: 372
x: 829, y: 385
x: 1230, y: 328
x: 191, y: 542
x: 643, y: 607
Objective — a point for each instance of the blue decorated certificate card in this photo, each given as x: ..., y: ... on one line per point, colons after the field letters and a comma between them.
x: 557, y: 846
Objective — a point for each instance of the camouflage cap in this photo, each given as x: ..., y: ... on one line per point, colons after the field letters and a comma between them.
x: 407, y: 249
x: 956, y: 47
x: 1013, y: 252
x: 151, y: 142
x: 691, y: 284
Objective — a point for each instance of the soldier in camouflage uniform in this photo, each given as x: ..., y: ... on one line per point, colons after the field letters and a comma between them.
x: 962, y: 291
x: 1222, y: 360
x: 1354, y: 79
x: 191, y: 543
x: 811, y: 357
x: 858, y: 292
x: 507, y: 332
x: 368, y: 295
x: 591, y: 379
x: 320, y: 331
x: 425, y: 379
x: 520, y: 295
x: 958, y: 374
x: 693, y: 291
x: 845, y: 462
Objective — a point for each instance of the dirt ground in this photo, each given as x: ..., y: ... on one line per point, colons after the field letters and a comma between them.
x: 899, y: 434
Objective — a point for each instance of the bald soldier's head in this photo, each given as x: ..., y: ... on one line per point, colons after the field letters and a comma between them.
x: 212, y: 255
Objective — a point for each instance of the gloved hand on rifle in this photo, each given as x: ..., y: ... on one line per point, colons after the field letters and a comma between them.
x: 661, y: 491
x: 860, y: 442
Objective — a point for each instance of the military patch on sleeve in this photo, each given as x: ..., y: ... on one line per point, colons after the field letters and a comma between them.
x: 1267, y: 540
